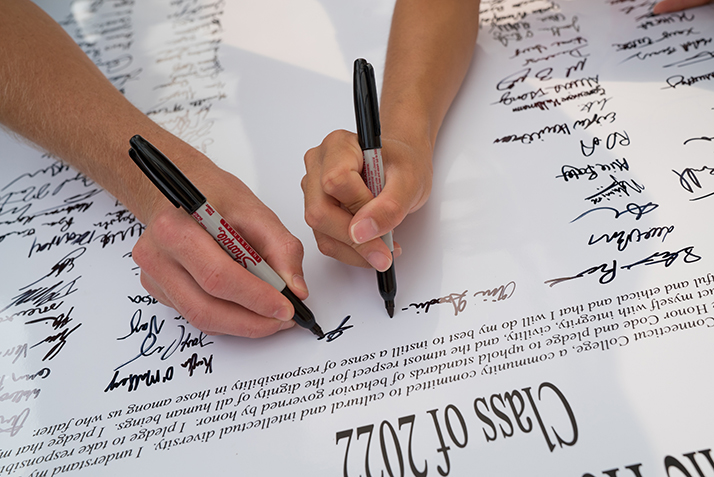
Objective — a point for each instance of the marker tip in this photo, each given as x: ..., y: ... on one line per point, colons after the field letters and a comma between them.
x: 389, y: 305
x: 317, y: 331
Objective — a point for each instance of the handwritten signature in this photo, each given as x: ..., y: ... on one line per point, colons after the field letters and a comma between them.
x: 623, y: 239
x: 690, y: 180
x: 337, y: 332
x: 608, y: 272
x: 459, y: 300
x: 150, y: 344
x: 634, y: 209
x: 58, y: 322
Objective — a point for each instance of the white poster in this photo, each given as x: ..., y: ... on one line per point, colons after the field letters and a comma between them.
x: 555, y: 305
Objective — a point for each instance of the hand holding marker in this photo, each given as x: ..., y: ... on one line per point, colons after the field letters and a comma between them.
x: 179, y: 190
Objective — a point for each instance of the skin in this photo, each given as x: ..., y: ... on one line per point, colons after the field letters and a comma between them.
x: 430, y: 48
x: 669, y: 6
x: 81, y: 118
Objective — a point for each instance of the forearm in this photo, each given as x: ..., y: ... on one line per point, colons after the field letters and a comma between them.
x: 54, y: 95
x: 431, y: 44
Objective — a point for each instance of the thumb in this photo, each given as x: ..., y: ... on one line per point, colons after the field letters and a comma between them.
x: 379, y: 216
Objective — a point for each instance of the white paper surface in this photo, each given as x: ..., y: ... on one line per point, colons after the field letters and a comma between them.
x: 555, y: 310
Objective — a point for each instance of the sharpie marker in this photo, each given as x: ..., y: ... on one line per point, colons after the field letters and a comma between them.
x: 368, y: 131
x: 179, y: 190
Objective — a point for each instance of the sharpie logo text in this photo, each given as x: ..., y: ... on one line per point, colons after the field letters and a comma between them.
x: 244, y: 255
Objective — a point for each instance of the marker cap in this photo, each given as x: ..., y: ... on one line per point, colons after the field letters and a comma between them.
x: 366, y: 105
x: 165, y: 175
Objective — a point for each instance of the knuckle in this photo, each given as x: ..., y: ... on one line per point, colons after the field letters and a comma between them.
x: 340, y: 135
x: 334, y: 180
x: 293, y: 247
x: 310, y: 157
x: 211, y: 280
x: 315, y: 217
x: 327, y: 246
x: 163, y: 227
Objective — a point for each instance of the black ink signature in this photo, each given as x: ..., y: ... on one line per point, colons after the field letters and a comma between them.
x: 613, y: 139
x: 692, y: 60
x: 573, y: 52
x: 623, y: 239
x: 58, y: 322
x: 194, y: 362
x: 689, y: 180
x: 187, y: 341
x: 595, y: 119
x: 589, y: 105
x: 151, y: 329
x: 150, y: 343
x: 657, y: 20
x: 133, y: 381
x: 637, y: 210
x: 119, y: 216
x: 591, y: 170
x: 528, y: 138
x: 679, y: 80
x: 337, y: 332
x: 616, y: 188
x: 640, y: 55
x: 41, y: 296
x: 608, y: 272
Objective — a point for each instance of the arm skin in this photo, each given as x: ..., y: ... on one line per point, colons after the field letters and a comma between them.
x: 81, y: 118
x: 670, y: 6
x: 430, y: 48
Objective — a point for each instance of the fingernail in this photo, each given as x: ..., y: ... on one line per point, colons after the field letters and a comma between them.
x: 299, y: 283
x: 283, y: 314
x: 286, y: 325
x: 379, y: 261
x: 364, y: 231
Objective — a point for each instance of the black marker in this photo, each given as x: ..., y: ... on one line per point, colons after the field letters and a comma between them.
x: 368, y: 131
x: 179, y: 190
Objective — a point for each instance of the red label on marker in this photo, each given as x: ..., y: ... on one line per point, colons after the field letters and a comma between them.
x: 240, y: 240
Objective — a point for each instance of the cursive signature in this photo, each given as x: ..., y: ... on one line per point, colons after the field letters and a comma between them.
x: 457, y: 300
x: 337, y: 332
x: 608, y: 271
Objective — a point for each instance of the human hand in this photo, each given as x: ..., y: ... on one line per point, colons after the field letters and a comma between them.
x: 669, y: 6
x: 346, y: 219
x: 184, y: 268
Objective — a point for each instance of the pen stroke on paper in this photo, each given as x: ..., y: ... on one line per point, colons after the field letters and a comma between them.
x: 459, y: 301
x: 698, y: 181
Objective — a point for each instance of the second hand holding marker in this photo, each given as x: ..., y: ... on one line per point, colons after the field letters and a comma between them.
x: 179, y: 190
x: 368, y: 132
